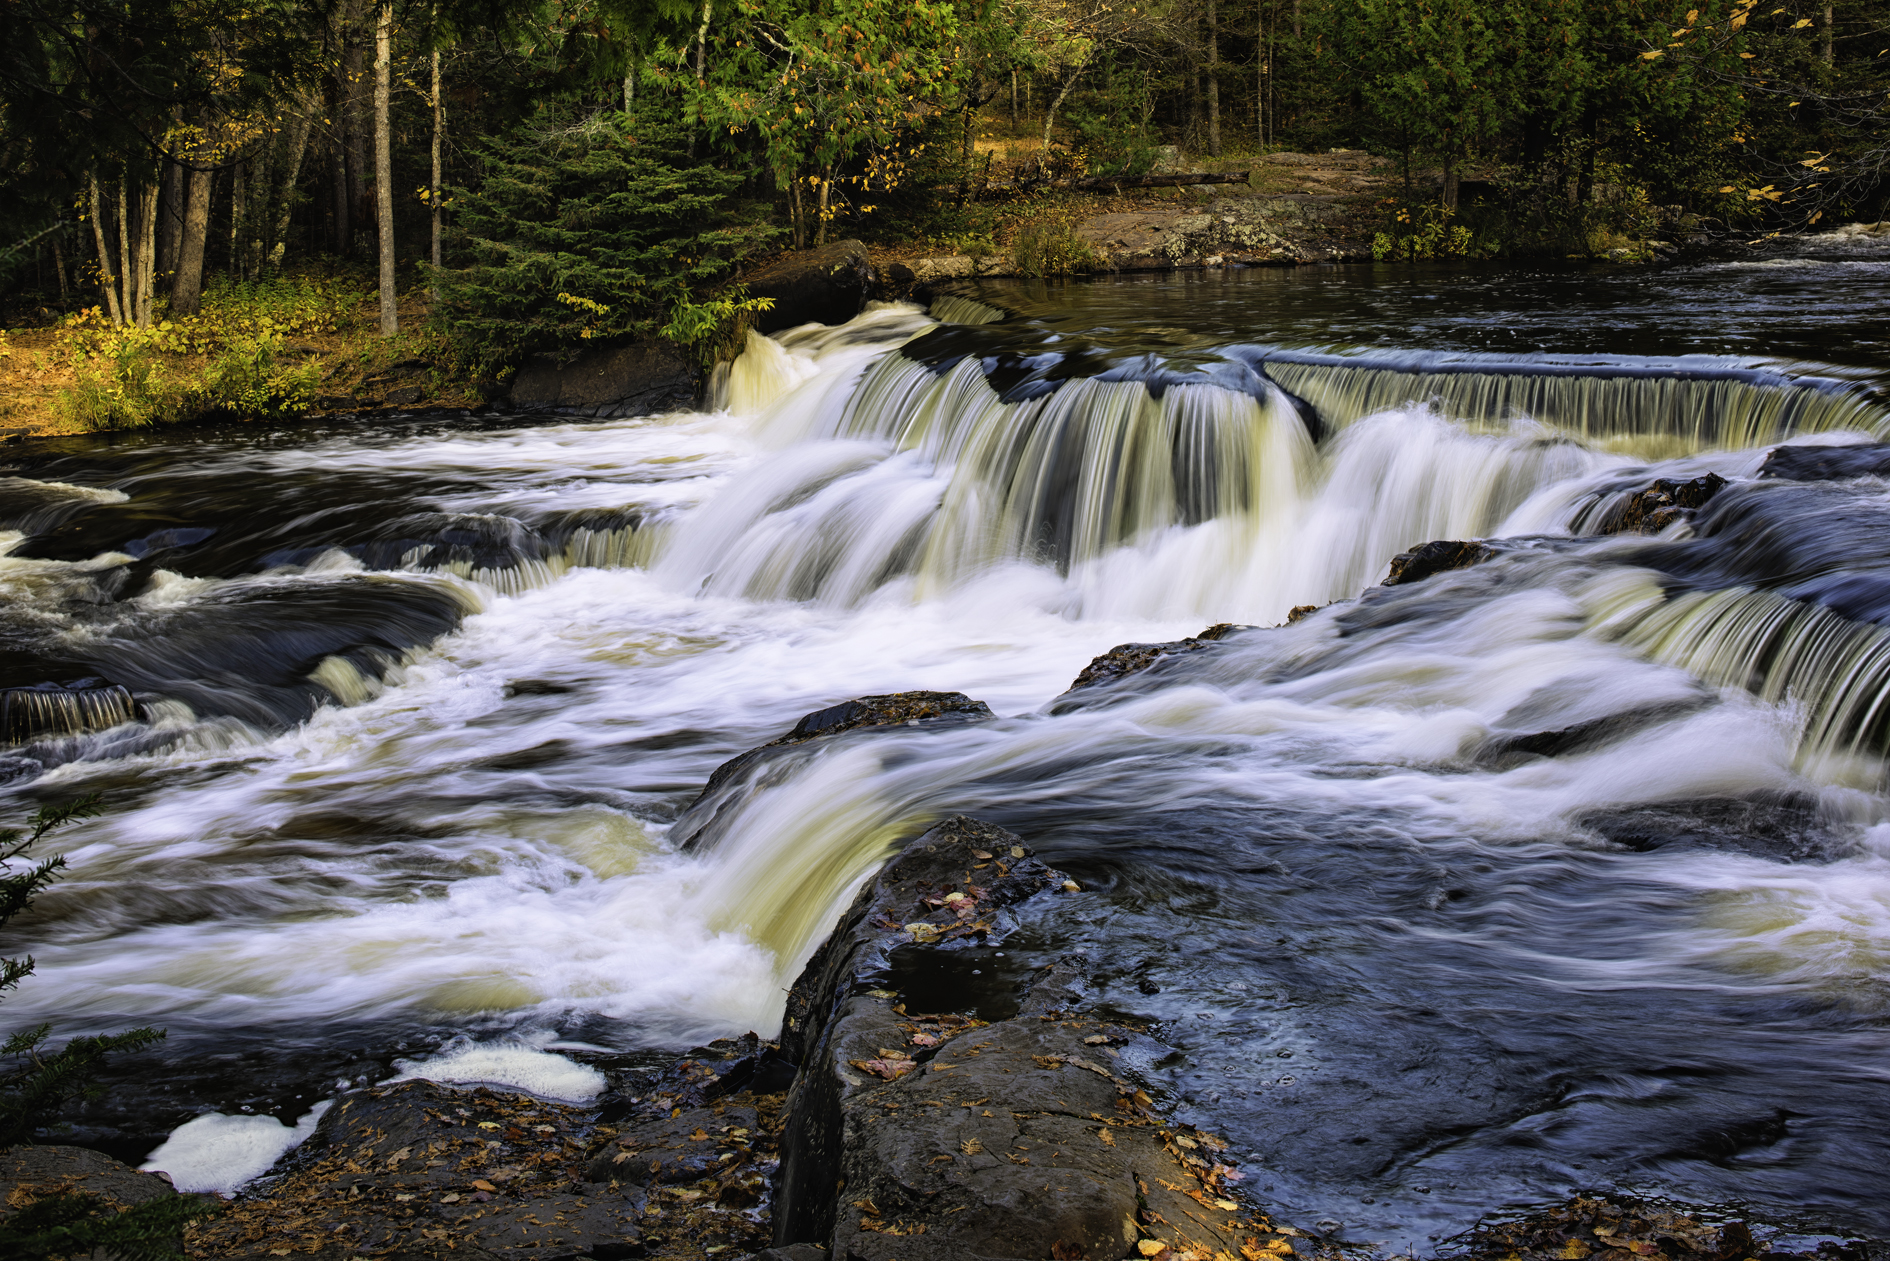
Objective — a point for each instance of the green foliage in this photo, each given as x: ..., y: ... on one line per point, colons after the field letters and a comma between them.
x: 78, y: 1226
x: 120, y: 385
x: 1422, y: 231
x: 1051, y: 248
x: 593, y: 227
x: 713, y: 328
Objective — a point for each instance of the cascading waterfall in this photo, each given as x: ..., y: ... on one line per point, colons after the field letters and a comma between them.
x: 1392, y: 878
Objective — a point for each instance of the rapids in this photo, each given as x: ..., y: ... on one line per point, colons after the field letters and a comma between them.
x: 1570, y: 870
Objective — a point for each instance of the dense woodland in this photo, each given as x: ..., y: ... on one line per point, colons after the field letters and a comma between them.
x: 572, y: 168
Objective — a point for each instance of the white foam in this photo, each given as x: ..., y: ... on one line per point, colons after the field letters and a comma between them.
x: 220, y: 1153
x: 467, y: 1063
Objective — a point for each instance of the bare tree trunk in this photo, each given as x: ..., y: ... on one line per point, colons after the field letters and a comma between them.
x: 1296, y: 30
x: 1050, y: 115
x: 59, y: 269
x: 702, y: 39
x: 234, y: 268
x: 147, y: 250
x: 298, y: 148
x: 1213, y: 79
x: 127, y: 269
x: 1830, y: 29
x: 354, y: 126
x: 170, y: 217
x: 187, y: 283
x: 1013, y: 102
x: 106, y: 280
x: 439, y: 134
x: 384, y: 161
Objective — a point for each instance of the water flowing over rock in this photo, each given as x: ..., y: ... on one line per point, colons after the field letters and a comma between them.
x: 825, y: 285
x: 1662, y: 504
x: 1126, y: 659
x: 1827, y: 463
x: 1435, y: 558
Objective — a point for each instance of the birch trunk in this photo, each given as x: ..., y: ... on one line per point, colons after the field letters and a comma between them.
x: 298, y: 149
x: 384, y: 162
x: 127, y: 269
x: 147, y: 249
x: 433, y: 189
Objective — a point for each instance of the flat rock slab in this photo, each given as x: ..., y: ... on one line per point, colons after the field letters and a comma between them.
x: 624, y: 378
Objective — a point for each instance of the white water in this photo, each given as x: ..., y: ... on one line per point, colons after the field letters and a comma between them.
x: 450, y: 846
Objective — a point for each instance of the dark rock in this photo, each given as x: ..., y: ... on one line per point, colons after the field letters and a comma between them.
x: 1660, y: 505
x: 1790, y: 830
x: 895, y: 709
x: 34, y: 1172
x: 793, y: 1252
x: 58, y: 709
x: 1301, y: 611
x: 1126, y: 659
x: 828, y: 285
x: 934, y: 1137
x: 625, y: 378
x: 406, y: 395
x: 1827, y: 464
x: 1434, y: 558
x: 336, y: 402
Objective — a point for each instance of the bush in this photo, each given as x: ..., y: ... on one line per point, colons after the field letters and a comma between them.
x: 1051, y: 248
x: 595, y: 227
x: 1422, y: 231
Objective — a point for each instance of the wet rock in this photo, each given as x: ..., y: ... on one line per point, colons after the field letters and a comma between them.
x: 1827, y: 464
x: 828, y: 285
x: 58, y: 709
x: 1660, y: 505
x: 1618, y: 1228
x: 1299, y: 612
x: 1789, y: 829
x: 1436, y: 557
x: 894, y: 709
x: 915, y: 1136
x: 618, y: 378
x: 1126, y: 659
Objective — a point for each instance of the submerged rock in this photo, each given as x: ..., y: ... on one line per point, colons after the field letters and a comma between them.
x: 1662, y: 504
x: 1126, y: 659
x: 827, y: 285
x: 622, y: 378
x: 1827, y: 464
x: 893, y: 709
x: 1436, y: 557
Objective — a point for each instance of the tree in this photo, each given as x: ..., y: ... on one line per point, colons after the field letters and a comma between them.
x: 384, y: 162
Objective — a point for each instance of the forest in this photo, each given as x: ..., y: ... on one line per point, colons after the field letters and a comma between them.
x: 540, y: 174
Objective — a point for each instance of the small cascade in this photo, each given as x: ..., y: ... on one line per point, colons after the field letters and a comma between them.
x: 27, y: 713
x: 1832, y: 671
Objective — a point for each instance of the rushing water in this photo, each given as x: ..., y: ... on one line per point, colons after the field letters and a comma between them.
x: 1567, y: 870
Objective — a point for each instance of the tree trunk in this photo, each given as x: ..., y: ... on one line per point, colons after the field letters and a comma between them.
x: 1013, y: 102
x: 147, y: 250
x: 105, y: 280
x: 187, y: 283
x: 234, y: 268
x: 354, y: 126
x: 702, y: 40
x: 127, y: 266
x: 1213, y: 79
x: 59, y: 270
x: 384, y: 161
x: 170, y: 217
x: 439, y: 134
x: 298, y: 148
x: 1830, y: 29
x: 826, y: 196
x: 1450, y: 181
x: 1050, y: 115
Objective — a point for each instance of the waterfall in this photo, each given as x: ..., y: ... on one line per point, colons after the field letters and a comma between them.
x: 27, y: 713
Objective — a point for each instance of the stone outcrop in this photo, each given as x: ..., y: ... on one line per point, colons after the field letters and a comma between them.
x: 1662, y: 504
x: 1295, y: 229
x: 44, y: 1172
x: 895, y: 709
x: 1436, y: 557
x: 619, y: 378
x: 921, y: 1135
x: 826, y: 285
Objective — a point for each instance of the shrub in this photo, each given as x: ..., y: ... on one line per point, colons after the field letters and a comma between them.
x: 595, y: 227
x: 1051, y: 248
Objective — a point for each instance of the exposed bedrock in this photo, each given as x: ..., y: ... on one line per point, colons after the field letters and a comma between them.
x: 1827, y: 464
x: 1015, y: 1132
x: 1661, y: 504
x: 826, y: 285
x: 617, y: 378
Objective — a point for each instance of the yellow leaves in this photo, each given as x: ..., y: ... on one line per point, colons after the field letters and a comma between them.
x: 1649, y: 56
x: 1693, y: 15
x: 1801, y: 24
x: 971, y: 1146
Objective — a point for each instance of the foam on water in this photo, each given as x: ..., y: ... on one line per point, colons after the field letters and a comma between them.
x: 508, y: 1066
x: 220, y: 1154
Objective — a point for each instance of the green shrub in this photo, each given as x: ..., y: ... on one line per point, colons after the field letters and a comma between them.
x: 595, y: 227
x: 120, y: 385
x: 1051, y: 248
x: 1423, y: 231
x: 249, y: 381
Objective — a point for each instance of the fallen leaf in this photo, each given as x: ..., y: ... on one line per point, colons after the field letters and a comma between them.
x: 1100, y: 1039
x: 1017, y: 851
x: 889, y: 1069
x: 700, y: 1135
x: 1107, y: 1138
x: 1151, y: 1247
x: 488, y: 1125
x: 1229, y: 1205
x: 483, y: 1185
x: 971, y: 1146
x: 979, y: 853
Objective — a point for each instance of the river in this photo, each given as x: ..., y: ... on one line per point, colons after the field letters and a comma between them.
x: 1569, y: 870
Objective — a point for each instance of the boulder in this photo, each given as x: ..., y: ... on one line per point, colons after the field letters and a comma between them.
x: 826, y: 285
x: 1434, y: 558
x: 617, y: 378
x: 1126, y: 659
x: 1660, y: 505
